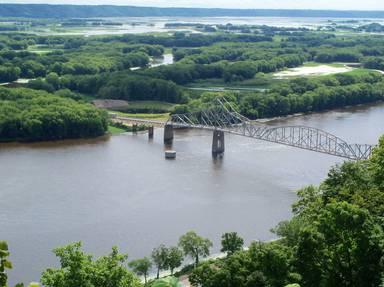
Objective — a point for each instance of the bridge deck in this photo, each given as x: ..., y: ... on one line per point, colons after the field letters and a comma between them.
x: 226, y: 119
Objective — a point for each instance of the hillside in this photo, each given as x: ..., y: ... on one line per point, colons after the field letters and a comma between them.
x: 84, y: 11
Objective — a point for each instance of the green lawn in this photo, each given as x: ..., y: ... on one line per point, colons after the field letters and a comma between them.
x: 361, y: 72
x: 315, y: 64
x: 114, y: 130
x: 157, y: 117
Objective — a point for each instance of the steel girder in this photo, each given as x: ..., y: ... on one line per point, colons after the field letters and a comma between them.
x: 224, y: 117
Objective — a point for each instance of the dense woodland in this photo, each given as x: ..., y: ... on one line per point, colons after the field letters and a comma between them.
x: 36, y: 115
x: 119, y: 67
x: 301, y: 95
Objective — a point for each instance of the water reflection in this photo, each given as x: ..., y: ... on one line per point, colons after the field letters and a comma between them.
x: 121, y: 191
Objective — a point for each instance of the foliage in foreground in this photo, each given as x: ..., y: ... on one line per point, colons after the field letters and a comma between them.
x: 166, y: 282
x: 334, y: 239
x: 4, y: 263
x: 80, y: 269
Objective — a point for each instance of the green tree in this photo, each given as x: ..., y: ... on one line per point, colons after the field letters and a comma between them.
x: 110, y: 271
x: 79, y: 269
x: 160, y: 258
x: 167, y: 282
x: 175, y: 258
x: 376, y: 164
x: 256, y: 279
x: 54, y: 80
x: 141, y: 267
x: 343, y: 247
x: 195, y: 246
x: 231, y: 242
x: 76, y: 268
x: 4, y: 263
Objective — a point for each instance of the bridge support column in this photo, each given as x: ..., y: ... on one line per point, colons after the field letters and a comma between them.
x: 134, y: 128
x: 168, y: 134
x: 218, y: 145
x: 150, y: 132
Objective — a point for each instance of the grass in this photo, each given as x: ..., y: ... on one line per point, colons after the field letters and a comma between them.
x: 40, y: 49
x: 361, y: 72
x: 114, y: 130
x: 156, y: 117
x: 315, y: 64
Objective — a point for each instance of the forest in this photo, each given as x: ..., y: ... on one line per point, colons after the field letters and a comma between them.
x: 235, y: 56
x: 29, y: 115
x: 301, y: 95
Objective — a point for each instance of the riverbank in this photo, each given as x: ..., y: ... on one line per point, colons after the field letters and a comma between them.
x: 141, y: 194
x: 297, y: 115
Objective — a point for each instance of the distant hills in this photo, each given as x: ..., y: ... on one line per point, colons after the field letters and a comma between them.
x: 88, y: 11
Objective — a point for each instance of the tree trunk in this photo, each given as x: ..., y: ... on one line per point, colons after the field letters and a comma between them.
x: 197, y: 259
x: 145, y: 279
x: 158, y: 273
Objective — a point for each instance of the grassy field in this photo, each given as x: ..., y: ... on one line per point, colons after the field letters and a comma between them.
x: 114, y: 130
x: 361, y: 72
x: 41, y: 49
x: 157, y: 117
x: 314, y: 64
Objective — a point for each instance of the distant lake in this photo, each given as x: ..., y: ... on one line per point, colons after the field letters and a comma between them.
x: 136, y: 25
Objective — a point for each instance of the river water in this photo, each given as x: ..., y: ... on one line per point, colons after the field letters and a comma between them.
x: 121, y: 191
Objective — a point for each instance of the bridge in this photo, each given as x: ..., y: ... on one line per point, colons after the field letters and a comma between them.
x: 221, y: 117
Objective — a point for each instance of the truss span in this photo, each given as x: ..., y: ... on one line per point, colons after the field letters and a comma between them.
x: 225, y: 118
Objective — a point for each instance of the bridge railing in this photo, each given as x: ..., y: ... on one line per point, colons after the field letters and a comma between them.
x: 225, y: 118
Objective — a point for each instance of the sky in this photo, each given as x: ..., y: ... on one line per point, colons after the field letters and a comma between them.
x: 274, y: 4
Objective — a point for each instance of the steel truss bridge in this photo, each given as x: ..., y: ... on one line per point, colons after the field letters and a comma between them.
x: 221, y: 116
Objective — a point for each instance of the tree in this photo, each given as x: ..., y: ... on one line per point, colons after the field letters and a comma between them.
x: 256, y: 279
x: 343, y: 247
x: 175, y: 258
x: 53, y: 79
x: 160, y: 258
x: 76, y: 268
x: 376, y: 164
x: 79, y: 269
x: 141, y: 267
x: 4, y: 263
x: 195, y: 246
x: 167, y: 282
x: 231, y: 243
x: 110, y: 271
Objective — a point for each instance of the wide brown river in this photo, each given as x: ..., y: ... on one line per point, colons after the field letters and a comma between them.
x: 121, y: 191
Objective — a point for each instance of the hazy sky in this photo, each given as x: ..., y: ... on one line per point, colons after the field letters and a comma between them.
x: 282, y: 4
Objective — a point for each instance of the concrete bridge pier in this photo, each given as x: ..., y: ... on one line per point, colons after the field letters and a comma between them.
x: 150, y: 132
x: 168, y: 134
x: 134, y: 128
x: 218, y: 145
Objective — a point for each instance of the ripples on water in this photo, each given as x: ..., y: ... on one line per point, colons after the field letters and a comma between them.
x: 121, y: 191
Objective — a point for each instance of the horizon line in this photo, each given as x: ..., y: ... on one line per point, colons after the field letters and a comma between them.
x: 202, y: 8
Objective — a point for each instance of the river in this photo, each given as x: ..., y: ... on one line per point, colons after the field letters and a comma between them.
x: 121, y: 191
